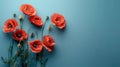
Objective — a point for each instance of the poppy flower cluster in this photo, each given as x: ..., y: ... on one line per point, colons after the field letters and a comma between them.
x: 47, y: 42
x: 11, y: 26
x: 29, y: 10
x: 37, y: 45
x: 56, y: 19
x: 19, y: 34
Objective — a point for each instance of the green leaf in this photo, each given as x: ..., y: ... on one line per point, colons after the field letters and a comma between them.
x: 4, y: 61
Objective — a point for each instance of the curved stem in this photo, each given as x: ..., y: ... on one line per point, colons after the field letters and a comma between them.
x: 42, y: 30
x: 21, y: 22
x: 21, y: 48
x: 44, y: 25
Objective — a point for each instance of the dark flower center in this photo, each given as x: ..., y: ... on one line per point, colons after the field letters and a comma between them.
x: 9, y: 26
x: 50, y: 41
x: 57, y: 19
x: 34, y: 45
x: 36, y: 18
x: 18, y: 35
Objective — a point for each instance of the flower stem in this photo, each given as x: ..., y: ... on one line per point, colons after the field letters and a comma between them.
x: 21, y: 22
x: 47, y: 18
x: 10, y: 51
x: 42, y: 31
x: 41, y: 64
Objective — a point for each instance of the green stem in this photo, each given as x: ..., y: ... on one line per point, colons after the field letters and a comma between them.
x: 22, y: 46
x: 10, y: 51
x: 36, y: 59
x: 44, y: 25
x: 21, y: 22
x: 41, y: 64
x: 42, y: 30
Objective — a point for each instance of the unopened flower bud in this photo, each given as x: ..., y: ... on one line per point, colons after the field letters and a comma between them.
x: 47, y: 17
x: 19, y: 45
x: 49, y: 27
x: 14, y: 15
x: 32, y: 35
x: 20, y: 18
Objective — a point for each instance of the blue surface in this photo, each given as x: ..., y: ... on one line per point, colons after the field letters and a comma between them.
x: 91, y: 37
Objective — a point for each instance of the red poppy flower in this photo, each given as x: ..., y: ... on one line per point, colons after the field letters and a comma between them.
x: 10, y: 25
x: 35, y: 46
x: 19, y: 35
x: 36, y: 20
x: 58, y: 20
x: 27, y: 9
x: 48, y: 42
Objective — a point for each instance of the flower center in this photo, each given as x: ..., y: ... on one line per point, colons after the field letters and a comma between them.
x: 26, y: 8
x: 57, y: 19
x: 36, y: 18
x: 34, y: 45
x: 18, y: 35
x: 9, y: 26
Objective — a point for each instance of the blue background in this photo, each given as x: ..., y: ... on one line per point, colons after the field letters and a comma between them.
x: 90, y: 39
